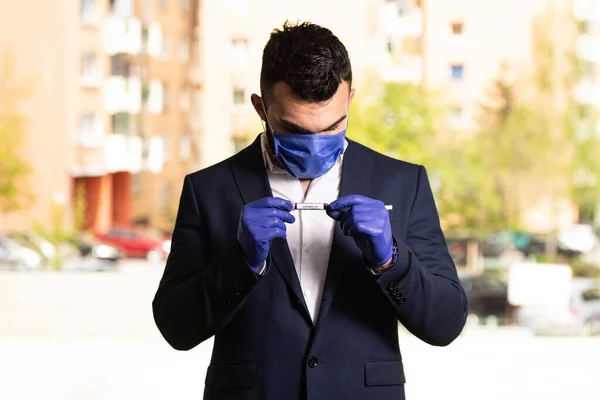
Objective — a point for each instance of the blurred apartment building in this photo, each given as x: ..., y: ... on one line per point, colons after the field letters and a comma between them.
x: 465, y: 45
x: 108, y: 109
x: 131, y: 95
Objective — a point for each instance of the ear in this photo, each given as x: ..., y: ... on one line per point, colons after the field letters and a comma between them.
x: 258, y: 106
x: 350, y: 98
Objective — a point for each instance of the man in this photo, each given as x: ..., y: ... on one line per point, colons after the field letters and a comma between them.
x: 306, y: 304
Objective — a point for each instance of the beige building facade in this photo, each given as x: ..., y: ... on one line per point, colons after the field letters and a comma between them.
x: 43, y: 53
x: 109, y: 103
x: 129, y: 96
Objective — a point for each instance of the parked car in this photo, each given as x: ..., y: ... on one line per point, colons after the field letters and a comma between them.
x: 132, y: 243
x: 89, y: 246
x: 487, y: 294
x: 36, y: 243
x: 577, y: 239
x: 580, y: 317
x: 89, y: 264
x: 16, y: 256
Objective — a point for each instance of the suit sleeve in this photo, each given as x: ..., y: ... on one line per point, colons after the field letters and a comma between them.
x: 423, y: 285
x: 200, y: 291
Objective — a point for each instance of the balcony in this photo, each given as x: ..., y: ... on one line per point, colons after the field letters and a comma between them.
x: 395, y: 20
x: 153, y: 155
x: 123, y: 94
x: 122, y: 35
x: 156, y: 97
x: 587, y: 47
x: 122, y: 153
x: 154, y: 42
x: 588, y: 92
x: 411, y: 23
x: 587, y: 10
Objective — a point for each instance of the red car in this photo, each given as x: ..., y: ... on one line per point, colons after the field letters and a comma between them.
x: 133, y: 244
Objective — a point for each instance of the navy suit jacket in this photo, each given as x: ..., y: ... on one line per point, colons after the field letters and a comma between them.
x: 266, y: 346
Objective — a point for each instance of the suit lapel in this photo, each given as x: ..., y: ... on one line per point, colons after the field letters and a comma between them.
x: 253, y: 183
x: 357, y: 173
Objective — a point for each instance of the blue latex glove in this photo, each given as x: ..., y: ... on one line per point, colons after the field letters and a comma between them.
x: 261, y: 222
x: 368, y: 222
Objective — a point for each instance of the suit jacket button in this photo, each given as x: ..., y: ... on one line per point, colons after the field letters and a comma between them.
x: 313, y: 362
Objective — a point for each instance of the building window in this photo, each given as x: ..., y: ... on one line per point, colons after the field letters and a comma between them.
x: 389, y: 45
x: 457, y: 28
x: 163, y: 3
x: 185, y: 147
x: 88, y: 12
x: 90, y: 133
x: 166, y: 139
x: 121, y: 123
x: 184, y: 51
x: 89, y: 65
x: 457, y: 72
x: 239, y: 97
x: 239, y: 51
x: 120, y: 65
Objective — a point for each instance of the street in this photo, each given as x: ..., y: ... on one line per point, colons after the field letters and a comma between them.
x: 100, y: 355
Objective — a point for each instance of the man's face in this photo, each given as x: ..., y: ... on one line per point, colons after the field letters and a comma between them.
x: 289, y: 114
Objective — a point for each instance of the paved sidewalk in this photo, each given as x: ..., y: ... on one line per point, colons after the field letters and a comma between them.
x: 489, y: 365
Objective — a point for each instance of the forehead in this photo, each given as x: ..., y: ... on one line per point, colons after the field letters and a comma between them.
x: 285, y: 104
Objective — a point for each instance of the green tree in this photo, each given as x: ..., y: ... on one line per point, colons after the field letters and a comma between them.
x: 398, y: 119
x: 13, y: 167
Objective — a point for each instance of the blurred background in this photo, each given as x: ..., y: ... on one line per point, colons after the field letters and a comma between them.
x: 105, y: 105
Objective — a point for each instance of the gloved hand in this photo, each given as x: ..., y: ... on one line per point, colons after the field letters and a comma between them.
x: 367, y: 221
x: 260, y: 222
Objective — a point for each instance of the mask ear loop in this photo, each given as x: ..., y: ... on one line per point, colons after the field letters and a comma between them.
x: 265, y: 123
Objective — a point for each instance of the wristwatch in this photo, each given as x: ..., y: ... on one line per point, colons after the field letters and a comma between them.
x: 381, y: 270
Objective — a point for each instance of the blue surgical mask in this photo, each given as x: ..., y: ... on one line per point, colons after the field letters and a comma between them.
x: 308, y: 156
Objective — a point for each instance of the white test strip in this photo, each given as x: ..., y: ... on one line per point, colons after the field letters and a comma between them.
x: 321, y: 206
x: 309, y: 206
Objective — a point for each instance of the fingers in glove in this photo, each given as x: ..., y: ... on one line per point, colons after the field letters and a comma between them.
x: 349, y: 201
x: 272, y: 202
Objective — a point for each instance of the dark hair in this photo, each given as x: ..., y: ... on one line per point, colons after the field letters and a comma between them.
x: 309, y: 58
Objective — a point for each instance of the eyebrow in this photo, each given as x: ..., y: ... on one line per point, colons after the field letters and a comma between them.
x: 298, y: 129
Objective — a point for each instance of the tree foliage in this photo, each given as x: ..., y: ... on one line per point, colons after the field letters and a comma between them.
x: 13, y: 167
x: 530, y: 143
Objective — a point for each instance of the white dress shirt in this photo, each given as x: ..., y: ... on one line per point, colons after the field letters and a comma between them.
x: 310, y: 237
